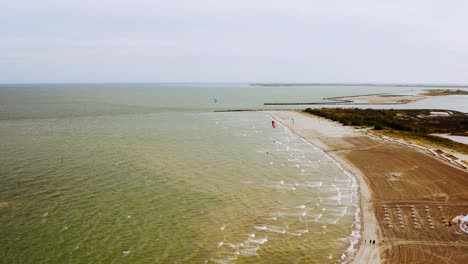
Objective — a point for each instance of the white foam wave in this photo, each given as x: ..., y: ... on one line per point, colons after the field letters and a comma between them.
x: 318, y: 217
x: 259, y: 241
x: 250, y: 251
x: 294, y: 234
x: 235, y: 245
x: 355, y: 233
x: 226, y: 260
x: 345, y: 210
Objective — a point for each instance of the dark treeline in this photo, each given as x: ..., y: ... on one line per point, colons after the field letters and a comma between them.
x: 415, y: 121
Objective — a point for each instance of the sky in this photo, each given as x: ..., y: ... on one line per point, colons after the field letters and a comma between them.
x: 356, y: 41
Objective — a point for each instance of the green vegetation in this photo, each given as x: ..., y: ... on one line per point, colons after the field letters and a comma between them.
x: 414, y: 125
x: 440, y: 92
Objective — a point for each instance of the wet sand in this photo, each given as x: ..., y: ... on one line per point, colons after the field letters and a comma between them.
x: 407, y: 196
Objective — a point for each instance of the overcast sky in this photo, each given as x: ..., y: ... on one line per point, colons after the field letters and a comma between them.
x: 407, y: 41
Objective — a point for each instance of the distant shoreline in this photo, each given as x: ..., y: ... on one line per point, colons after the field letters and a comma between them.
x: 267, y: 84
x: 363, y: 84
x: 379, y: 98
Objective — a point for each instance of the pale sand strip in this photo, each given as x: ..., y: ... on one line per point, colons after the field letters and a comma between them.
x: 315, y: 129
x: 382, y: 99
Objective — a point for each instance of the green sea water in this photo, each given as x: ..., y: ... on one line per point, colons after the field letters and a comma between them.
x: 148, y: 173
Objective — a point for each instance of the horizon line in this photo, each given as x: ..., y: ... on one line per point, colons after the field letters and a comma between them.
x: 451, y: 85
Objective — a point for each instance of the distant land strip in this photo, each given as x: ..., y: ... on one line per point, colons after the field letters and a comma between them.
x: 344, y: 102
x: 339, y: 100
x: 361, y: 84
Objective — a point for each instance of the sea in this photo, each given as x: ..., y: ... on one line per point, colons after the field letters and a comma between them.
x: 154, y: 173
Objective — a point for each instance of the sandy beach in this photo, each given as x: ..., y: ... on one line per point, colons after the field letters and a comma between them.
x: 407, y: 196
x: 381, y: 99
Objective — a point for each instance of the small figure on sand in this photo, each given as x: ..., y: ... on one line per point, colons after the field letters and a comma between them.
x: 293, y: 120
x: 273, y: 123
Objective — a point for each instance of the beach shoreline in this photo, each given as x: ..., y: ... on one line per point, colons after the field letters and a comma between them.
x: 367, y: 227
x: 357, y: 153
